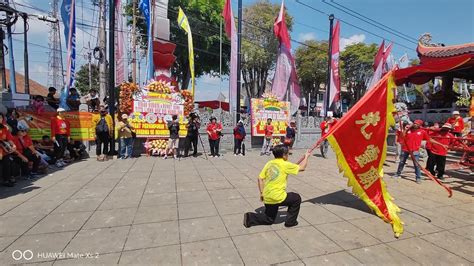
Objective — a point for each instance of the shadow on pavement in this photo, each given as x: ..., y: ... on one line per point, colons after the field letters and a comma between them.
x: 341, y: 198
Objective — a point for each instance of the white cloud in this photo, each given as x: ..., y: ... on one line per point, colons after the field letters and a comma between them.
x: 306, y: 36
x: 356, y: 38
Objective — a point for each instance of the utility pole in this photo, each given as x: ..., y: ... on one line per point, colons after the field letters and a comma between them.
x: 112, y: 67
x: 102, y: 57
x: 55, y: 63
x: 239, y: 59
x: 328, y: 82
x: 134, y: 42
x: 2, y: 60
x: 89, y: 58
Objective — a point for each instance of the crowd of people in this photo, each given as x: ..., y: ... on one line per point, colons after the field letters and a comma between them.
x: 437, y: 139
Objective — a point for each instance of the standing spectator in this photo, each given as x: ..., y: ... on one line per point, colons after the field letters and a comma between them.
x: 239, y: 137
x: 413, y: 136
x: 439, y: 152
x: 103, y: 133
x: 92, y: 100
x: 458, y: 124
x: 267, y: 139
x: 7, y: 148
x: 433, y: 130
x: 326, y: 125
x: 126, y: 139
x: 73, y: 99
x: 28, y: 157
x: 60, y: 135
x: 214, y: 132
x: 290, y: 135
x: 192, y: 135
x: 173, y: 142
x: 52, y: 101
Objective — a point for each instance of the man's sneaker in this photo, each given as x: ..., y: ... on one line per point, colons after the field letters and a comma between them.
x: 175, y: 157
x: 291, y: 225
x: 396, y: 176
x: 235, y: 154
x: 246, y: 220
x: 58, y: 164
x: 166, y: 157
x: 418, y: 181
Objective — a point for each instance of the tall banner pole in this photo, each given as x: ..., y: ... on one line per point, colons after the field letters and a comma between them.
x: 328, y: 83
x: 112, y: 68
x: 239, y: 60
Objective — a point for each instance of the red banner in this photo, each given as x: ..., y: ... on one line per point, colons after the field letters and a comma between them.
x: 361, y: 156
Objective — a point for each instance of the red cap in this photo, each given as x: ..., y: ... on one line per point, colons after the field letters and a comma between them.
x: 419, y: 122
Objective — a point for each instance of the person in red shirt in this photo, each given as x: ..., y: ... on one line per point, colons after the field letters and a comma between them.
x: 7, y: 148
x: 431, y: 131
x: 413, y: 136
x: 267, y: 140
x: 325, y: 126
x: 26, y: 157
x: 214, y: 131
x: 60, y: 135
x: 399, y: 141
x: 439, y: 152
x: 458, y: 124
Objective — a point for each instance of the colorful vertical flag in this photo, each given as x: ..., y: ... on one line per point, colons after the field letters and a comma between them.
x: 403, y: 61
x: 380, y: 63
x: 361, y: 157
x: 119, y: 45
x: 335, y: 88
x: 231, y: 33
x: 184, y: 24
x: 68, y: 15
x: 285, y: 72
x: 145, y: 7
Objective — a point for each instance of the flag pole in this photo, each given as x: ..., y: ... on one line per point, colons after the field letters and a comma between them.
x: 328, y: 83
x: 239, y: 60
x: 112, y: 68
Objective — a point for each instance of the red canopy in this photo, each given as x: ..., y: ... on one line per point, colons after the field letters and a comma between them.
x: 460, y: 66
x: 214, y: 105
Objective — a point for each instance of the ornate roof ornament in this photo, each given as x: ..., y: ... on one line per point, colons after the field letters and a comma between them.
x: 425, y: 40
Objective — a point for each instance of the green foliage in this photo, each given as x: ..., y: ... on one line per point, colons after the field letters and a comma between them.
x: 311, y: 65
x: 82, y: 78
x: 204, y: 19
x: 414, y: 62
x: 356, y: 67
x: 259, y: 45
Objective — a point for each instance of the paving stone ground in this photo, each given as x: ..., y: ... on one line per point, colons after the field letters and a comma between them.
x: 189, y: 212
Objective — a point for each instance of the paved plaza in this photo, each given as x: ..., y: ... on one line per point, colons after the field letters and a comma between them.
x: 189, y: 212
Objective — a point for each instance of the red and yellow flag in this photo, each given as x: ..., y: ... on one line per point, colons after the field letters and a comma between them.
x: 360, y: 143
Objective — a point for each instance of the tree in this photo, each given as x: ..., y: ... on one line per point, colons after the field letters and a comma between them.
x: 259, y: 45
x: 311, y: 64
x: 356, y: 67
x: 204, y: 19
x: 414, y: 62
x: 82, y: 78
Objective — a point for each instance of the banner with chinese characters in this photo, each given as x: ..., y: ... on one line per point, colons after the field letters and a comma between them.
x: 154, y: 106
x: 359, y: 140
x: 262, y: 109
x: 40, y: 124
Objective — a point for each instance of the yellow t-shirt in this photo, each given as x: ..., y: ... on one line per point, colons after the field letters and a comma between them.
x: 274, y: 176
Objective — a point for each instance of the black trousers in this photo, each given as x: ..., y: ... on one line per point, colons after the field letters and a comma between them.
x: 237, y: 146
x: 191, y: 140
x: 214, y: 144
x: 59, y: 150
x: 293, y: 201
x: 430, y: 161
x: 102, y: 141
x: 5, y: 168
x: 33, y: 159
x: 439, y: 161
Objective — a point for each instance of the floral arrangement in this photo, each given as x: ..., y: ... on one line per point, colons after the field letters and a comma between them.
x: 127, y: 90
x: 268, y: 96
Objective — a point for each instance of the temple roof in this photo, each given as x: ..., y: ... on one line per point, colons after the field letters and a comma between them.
x: 444, y: 51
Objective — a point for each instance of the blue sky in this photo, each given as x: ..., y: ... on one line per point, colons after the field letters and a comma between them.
x: 449, y: 22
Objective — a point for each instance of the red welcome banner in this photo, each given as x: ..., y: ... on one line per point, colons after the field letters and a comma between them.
x: 359, y: 141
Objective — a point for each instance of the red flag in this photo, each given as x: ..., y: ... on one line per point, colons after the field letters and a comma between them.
x: 280, y: 29
x: 119, y: 45
x: 335, y: 88
x: 231, y: 33
x: 361, y: 156
x: 379, y: 56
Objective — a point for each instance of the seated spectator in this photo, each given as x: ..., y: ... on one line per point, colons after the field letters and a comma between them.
x: 38, y: 104
x: 46, y: 149
x: 92, y: 100
x: 12, y: 119
x: 26, y: 156
x: 7, y: 148
x: 52, y: 101
x: 73, y: 100
x: 77, y: 150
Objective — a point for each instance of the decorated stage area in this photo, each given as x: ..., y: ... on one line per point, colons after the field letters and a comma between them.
x: 186, y: 212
